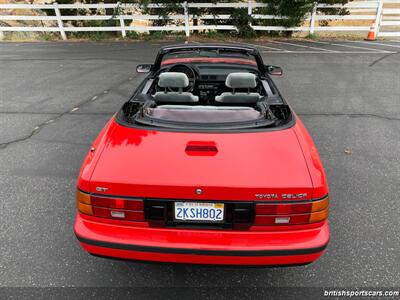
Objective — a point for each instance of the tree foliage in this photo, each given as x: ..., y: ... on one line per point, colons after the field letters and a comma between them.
x: 293, y: 13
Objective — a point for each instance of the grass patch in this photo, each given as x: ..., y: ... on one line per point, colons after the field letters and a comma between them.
x: 157, y: 35
x: 92, y: 36
x: 47, y: 36
x: 311, y: 36
x: 213, y: 34
x: 205, y: 36
x: 21, y: 36
x: 132, y: 35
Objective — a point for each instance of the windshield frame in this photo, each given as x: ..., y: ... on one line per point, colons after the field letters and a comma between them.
x: 248, y: 51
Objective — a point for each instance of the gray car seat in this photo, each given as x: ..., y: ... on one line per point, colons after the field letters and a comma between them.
x: 174, y: 80
x: 240, y: 81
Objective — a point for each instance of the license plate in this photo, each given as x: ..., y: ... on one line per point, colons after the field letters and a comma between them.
x: 199, y: 211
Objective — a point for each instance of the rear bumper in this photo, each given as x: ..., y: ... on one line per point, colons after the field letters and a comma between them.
x: 202, y: 246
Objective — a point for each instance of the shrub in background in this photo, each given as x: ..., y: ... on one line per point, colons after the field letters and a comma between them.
x: 294, y: 13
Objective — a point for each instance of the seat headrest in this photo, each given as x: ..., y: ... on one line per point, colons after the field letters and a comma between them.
x: 173, y: 80
x: 238, y: 98
x: 241, y: 80
x: 175, y: 97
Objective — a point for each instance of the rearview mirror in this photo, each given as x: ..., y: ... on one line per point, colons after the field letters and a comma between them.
x: 274, y: 70
x: 144, y: 68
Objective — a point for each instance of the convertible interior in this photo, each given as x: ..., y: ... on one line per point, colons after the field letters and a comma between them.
x: 207, y: 95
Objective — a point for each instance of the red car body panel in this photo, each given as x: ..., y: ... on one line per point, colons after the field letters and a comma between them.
x: 312, y: 159
x: 172, y: 173
x: 119, y: 163
x: 203, y: 246
x: 128, y: 162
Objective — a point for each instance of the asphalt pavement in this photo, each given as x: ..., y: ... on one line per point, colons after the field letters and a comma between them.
x: 55, y: 97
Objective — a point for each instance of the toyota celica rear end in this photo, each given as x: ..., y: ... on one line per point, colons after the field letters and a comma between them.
x: 207, y: 164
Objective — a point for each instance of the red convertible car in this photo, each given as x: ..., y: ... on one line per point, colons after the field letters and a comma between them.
x: 207, y: 164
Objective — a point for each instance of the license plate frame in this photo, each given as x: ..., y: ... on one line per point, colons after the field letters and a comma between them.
x: 202, y: 205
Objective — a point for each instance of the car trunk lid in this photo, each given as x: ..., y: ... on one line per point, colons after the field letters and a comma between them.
x: 210, y: 166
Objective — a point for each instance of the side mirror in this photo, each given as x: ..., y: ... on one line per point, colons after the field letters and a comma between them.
x: 144, y: 68
x: 274, y: 70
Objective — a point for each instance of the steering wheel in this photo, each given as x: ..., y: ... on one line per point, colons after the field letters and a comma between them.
x: 190, y: 73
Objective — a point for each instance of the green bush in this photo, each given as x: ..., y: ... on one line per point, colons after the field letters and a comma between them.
x: 94, y: 36
x: 311, y: 36
x: 214, y: 34
x: 46, y: 36
x: 133, y: 35
x: 242, y: 21
x: 293, y: 12
x: 157, y: 35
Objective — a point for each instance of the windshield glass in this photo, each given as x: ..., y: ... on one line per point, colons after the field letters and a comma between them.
x: 209, y: 55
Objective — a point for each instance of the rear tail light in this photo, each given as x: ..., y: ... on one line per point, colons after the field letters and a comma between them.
x: 291, y: 213
x: 110, y: 207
